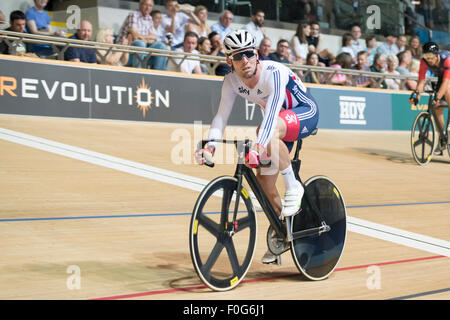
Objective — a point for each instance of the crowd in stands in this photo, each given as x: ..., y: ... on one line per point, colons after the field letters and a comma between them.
x: 184, y: 28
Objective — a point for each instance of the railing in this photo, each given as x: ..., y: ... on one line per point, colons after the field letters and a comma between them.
x: 60, y: 45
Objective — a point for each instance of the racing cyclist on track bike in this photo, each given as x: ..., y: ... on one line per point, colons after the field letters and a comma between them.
x: 438, y: 62
x: 290, y: 114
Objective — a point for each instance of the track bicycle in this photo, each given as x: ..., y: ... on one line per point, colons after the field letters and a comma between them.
x: 223, y: 227
x: 423, y: 132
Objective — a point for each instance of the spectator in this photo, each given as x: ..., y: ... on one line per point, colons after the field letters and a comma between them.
x: 281, y: 54
x: 38, y: 22
x: 401, y: 43
x: 17, y: 21
x: 116, y: 58
x: 344, y: 60
x: 392, y: 64
x: 415, y: 47
x: 176, y: 19
x: 314, y: 36
x: 315, y: 45
x: 139, y: 29
x: 356, y: 35
x: 362, y: 64
x: 264, y: 48
x: 81, y: 54
x: 389, y: 46
x: 201, y: 29
x: 414, y: 68
x: 2, y: 17
x: 186, y: 65
x: 255, y: 26
x: 222, y: 27
x: 161, y: 34
x: 217, y: 50
x: 299, y: 42
x: 379, y: 65
x: 312, y: 76
x: 404, y: 61
x: 371, y: 48
x: 204, y: 47
x: 347, y: 43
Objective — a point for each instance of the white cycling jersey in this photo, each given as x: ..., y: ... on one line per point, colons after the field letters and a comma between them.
x: 278, y: 88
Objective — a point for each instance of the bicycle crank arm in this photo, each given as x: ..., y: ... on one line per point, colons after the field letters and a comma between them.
x: 311, y: 232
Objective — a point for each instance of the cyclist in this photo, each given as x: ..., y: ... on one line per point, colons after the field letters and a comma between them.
x: 290, y: 114
x: 438, y: 62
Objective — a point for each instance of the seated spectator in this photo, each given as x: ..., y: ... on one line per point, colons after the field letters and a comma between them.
x: 255, y: 26
x: 389, y: 46
x: 81, y: 54
x: 356, y: 35
x: 371, y: 48
x: 315, y: 44
x: 415, y: 47
x: 176, y: 19
x: 299, y: 42
x: 204, y: 47
x: 217, y: 50
x: 392, y: 64
x: 2, y: 17
x: 344, y: 60
x: 186, y: 65
x: 222, y: 27
x: 17, y: 21
x: 264, y: 48
x: 281, y: 54
x: 38, y: 22
x: 379, y: 65
x: 161, y: 34
x: 414, y: 67
x: 202, y: 28
x: 401, y: 43
x: 347, y: 43
x: 115, y: 58
x: 139, y: 29
x: 362, y: 64
x: 312, y: 76
x: 404, y: 61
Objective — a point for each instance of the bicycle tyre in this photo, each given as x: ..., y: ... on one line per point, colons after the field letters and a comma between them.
x: 317, y: 256
x: 423, y: 138
x: 225, y: 265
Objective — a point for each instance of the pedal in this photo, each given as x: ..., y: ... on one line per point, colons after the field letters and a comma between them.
x: 279, y: 260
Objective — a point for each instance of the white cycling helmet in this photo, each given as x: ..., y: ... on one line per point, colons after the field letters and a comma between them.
x: 237, y: 41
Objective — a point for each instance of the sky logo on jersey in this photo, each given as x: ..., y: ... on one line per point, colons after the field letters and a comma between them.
x: 242, y: 90
x: 352, y: 110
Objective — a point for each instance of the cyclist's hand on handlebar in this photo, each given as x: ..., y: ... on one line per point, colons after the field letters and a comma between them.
x: 252, y: 159
x: 205, y: 156
x: 414, y: 98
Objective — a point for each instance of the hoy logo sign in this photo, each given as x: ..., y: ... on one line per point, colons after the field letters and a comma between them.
x: 352, y: 110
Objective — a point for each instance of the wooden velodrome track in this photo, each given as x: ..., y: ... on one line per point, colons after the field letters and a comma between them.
x: 126, y: 234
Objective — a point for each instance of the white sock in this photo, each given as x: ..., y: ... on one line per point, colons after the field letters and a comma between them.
x: 289, y: 178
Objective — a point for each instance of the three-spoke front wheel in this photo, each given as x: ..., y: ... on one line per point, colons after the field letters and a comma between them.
x: 221, y: 251
x: 422, y: 138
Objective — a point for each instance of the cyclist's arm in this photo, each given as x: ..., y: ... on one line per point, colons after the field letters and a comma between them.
x: 273, y: 107
x: 221, y: 118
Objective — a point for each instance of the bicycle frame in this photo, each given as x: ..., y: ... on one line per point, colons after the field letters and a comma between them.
x: 243, y: 171
x: 431, y: 109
